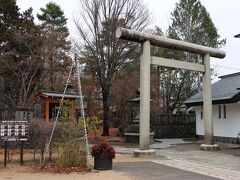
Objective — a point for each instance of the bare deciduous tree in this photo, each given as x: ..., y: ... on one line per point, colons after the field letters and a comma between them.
x: 105, y: 55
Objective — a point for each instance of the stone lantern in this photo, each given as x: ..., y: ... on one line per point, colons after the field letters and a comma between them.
x: 132, y: 132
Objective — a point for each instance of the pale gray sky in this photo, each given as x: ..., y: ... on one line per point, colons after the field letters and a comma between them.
x: 224, y: 13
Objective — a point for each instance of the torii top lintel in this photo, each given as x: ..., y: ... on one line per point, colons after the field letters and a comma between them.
x: 160, y: 41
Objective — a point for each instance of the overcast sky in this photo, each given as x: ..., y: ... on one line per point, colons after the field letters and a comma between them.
x: 224, y: 13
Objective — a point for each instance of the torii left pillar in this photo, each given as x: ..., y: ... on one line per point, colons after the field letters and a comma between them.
x: 144, y: 131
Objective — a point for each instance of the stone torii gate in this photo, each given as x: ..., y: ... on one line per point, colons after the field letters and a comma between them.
x: 146, y: 59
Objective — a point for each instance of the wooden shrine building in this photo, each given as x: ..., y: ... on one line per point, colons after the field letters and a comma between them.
x: 47, y: 104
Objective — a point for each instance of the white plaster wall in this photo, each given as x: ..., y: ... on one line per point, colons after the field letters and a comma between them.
x: 199, y: 121
x: 228, y: 127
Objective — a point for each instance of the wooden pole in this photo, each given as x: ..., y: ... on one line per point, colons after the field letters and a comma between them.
x: 5, y: 152
x: 47, y: 109
x: 21, y: 152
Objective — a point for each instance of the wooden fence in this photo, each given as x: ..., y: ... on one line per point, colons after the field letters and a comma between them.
x: 172, y: 120
x: 174, y: 126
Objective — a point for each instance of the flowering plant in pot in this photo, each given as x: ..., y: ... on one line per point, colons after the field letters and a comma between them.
x: 103, y: 154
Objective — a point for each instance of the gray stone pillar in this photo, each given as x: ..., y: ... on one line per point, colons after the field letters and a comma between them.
x: 207, y: 107
x: 144, y: 130
x: 144, y: 133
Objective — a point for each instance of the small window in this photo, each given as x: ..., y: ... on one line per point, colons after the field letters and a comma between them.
x: 224, y: 112
x: 219, y: 112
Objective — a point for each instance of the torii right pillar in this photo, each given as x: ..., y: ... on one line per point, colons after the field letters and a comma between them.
x: 207, y: 108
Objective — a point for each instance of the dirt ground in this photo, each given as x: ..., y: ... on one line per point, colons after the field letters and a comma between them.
x: 26, y: 173
x: 32, y: 171
x: 181, y: 152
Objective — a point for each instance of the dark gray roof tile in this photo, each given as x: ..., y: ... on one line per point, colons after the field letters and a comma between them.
x: 224, y: 89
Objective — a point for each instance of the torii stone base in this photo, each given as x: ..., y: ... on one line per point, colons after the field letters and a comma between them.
x: 209, y: 147
x: 144, y: 153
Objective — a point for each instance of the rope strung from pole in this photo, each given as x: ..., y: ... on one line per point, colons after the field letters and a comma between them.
x: 82, y: 111
x: 57, y: 117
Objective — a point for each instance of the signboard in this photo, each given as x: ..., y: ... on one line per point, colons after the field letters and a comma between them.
x: 14, y: 130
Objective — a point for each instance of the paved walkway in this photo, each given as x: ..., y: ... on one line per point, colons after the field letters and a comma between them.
x: 163, y: 143
x: 214, y: 164
x: 153, y: 171
x: 200, y: 168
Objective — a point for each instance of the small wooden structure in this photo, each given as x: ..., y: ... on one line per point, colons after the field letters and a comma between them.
x: 48, y: 102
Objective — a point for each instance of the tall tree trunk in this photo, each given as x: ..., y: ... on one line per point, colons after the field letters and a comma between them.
x: 105, y: 95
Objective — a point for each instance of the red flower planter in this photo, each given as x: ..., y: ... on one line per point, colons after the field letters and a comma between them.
x: 103, y: 154
x: 102, y: 163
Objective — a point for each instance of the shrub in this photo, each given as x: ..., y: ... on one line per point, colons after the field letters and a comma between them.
x: 70, y: 146
x: 67, y: 145
x: 70, y: 154
x: 39, y: 132
x: 93, y: 124
x: 103, y: 149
